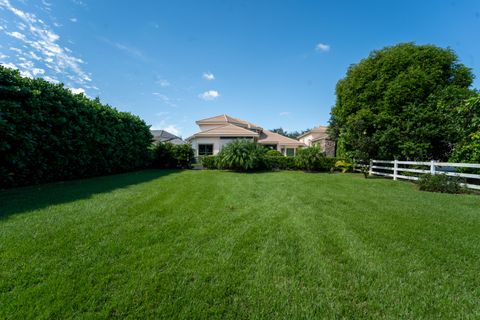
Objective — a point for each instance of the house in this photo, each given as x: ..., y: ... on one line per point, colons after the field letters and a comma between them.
x: 319, y: 137
x: 215, y: 132
x: 165, y: 136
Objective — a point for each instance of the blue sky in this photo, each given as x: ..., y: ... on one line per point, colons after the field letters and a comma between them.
x: 274, y: 63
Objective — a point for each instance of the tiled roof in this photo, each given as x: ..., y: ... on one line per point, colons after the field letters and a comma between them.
x: 269, y: 137
x: 323, y: 136
x: 165, y: 136
x: 320, y: 129
x: 228, y: 130
x: 228, y: 119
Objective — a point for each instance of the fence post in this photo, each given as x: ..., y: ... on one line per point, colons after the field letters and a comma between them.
x: 395, y: 167
x: 370, y: 169
x: 432, y: 167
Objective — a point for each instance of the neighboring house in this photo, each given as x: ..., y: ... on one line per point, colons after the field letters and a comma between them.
x: 215, y: 132
x: 319, y: 137
x: 164, y: 136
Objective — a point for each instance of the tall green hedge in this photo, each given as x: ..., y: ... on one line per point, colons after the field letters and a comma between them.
x: 48, y: 134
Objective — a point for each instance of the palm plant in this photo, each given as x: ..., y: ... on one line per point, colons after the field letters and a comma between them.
x: 242, y: 155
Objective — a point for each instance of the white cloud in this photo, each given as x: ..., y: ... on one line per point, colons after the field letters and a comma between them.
x: 165, y: 99
x: 43, y: 45
x: 50, y: 79
x: 77, y: 90
x: 209, y: 95
x: 284, y: 113
x: 9, y: 65
x: 208, y: 76
x: 131, y: 51
x: 17, y: 35
x: 37, y: 71
x: 73, y: 19
x: 166, y: 125
x: 163, y: 83
x: 322, y: 47
x: 173, y: 129
x: 17, y: 50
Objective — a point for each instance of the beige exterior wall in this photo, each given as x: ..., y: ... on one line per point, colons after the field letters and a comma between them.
x: 307, y: 139
x: 327, y: 146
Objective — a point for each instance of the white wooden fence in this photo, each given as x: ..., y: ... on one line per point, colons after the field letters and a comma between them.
x: 395, y: 168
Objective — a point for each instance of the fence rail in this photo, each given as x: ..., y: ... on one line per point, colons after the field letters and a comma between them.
x: 395, y: 168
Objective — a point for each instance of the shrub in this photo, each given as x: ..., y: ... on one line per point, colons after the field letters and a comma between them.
x: 47, y: 133
x: 242, y: 155
x: 313, y: 159
x: 164, y: 156
x: 344, y: 166
x: 171, y: 156
x: 209, y: 162
x: 440, y: 183
x: 274, y: 153
x: 280, y: 163
x: 327, y: 163
x: 184, y: 155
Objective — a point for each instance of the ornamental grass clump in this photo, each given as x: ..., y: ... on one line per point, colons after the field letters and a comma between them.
x: 242, y: 155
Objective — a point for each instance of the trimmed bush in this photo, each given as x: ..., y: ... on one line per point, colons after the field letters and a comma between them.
x: 184, y: 155
x: 209, y: 162
x: 163, y: 157
x: 440, y: 183
x: 242, y: 155
x: 310, y: 159
x: 171, y: 156
x: 274, y: 153
x: 280, y: 163
x: 49, y: 134
x: 327, y: 163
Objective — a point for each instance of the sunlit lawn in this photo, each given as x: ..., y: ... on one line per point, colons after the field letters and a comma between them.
x: 209, y: 244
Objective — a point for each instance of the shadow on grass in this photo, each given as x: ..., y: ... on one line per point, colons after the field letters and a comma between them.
x: 25, y: 199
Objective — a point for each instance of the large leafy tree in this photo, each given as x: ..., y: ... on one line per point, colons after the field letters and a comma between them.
x: 468, y: 149
x: 400, y: 103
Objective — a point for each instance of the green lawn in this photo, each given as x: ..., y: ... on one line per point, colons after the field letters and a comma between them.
x: 207, y: 244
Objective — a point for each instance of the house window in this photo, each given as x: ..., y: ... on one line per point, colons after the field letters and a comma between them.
x: 290, y: 152
x: 205, y: 149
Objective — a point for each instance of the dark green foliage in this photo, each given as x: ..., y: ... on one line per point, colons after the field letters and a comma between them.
x: 274, y: 153
x: 163, y: 156
x: 327, y: 163
x: 440, y: 183
x: 310, y: 159
x: 47, y: 134
x: 242, y: 155
x: 209, y: 162
x: 171, y: 156
x: 468, y: 149
x: 280, y: 162
x: 400, y: 103
x: 184, y: 155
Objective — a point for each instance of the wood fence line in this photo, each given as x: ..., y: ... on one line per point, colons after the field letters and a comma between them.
x: 395, y: 168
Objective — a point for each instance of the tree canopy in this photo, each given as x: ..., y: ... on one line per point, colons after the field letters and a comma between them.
x: 401, y: 102
x: 468, y: 149
x: 289, y: 134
